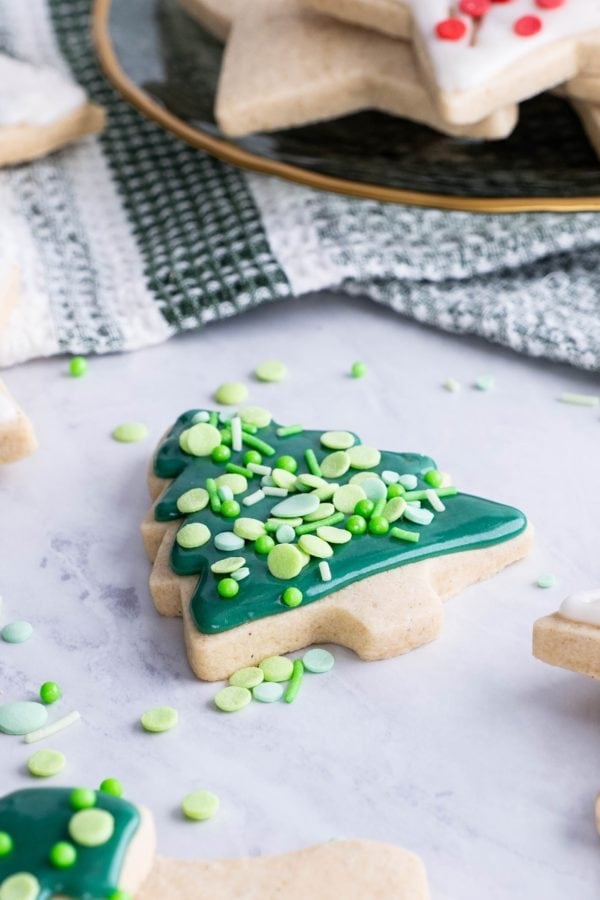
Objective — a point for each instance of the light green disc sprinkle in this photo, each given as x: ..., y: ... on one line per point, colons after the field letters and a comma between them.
x: 323, y: 511
x: 159, y: 719
x: 21, y: 886
x: 318, y: 660
x: 255, y: 415
x: 485, y: 382
x: 315, y: 546
x: 248, y: 677
x: 192, y: 501
x: 22, y: 717
x: 200, y: 805
x: 310, y: 482
x: 228, y: 565
x: 231, y: 392
x: 268, y: 692
x: 394, y: 509
x: 362, y: 457
x: 201, y: 439
x: 130, y: 432
x: 232, y: 699
x: 335, y: 465
x: 546, y: 581
x: 17, y: 632
x: 91, y: 827
x: 334, y: 535
x: 374, y: 488
x: 298, y: 505
x: 285, y: 534
x: 271, y: 370
x: 360, y: 477
x: 347, y: 496
x: 285, y: 561
x: 277, y: 668
x: 195, y: 534
x: 45, y: 763
x: 283, y: 479
x: 249, y: 529
x: 237, y: 483
x: 228, y: 542
x: 338, y: 440
x: 240, y: 574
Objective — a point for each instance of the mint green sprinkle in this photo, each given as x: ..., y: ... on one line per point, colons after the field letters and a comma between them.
x: 231, y: 393
x: 277, y: 668
x: 285, y: 534
x: 22, y: 717
x: 358, y: 370
x: 268, y: 692
x: 46, y: 763
x: 201, y: 416
x: 335, y: 464
x: 485, y: 382
x: 408, y: 481
x: 579, y: 399
x: 17, y: 632
x: 228, y: 566
x: 240, y: 574
x: 229, y: 542
x: 403, y: 535
x: 248, y: 677
x: 232, y: 699
x: 298, y: 505
x: 159, y: 719
x: 271, y: 371
x: 338, y: 440
x: 289, y: 430
x: 318, y: 661
x: 256, y: 416
x: 334, y: 535
x: 200, y: 805
x: 362, y: 457
x: 130, y: 432
x: 546, y: 581
x: 417, y: 515
x: 315, y: 546
x: 295, y: 683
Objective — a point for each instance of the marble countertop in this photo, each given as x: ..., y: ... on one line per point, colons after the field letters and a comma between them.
x: 467, y: 751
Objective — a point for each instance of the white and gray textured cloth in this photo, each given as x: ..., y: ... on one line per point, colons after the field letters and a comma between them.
x: 131, y: 237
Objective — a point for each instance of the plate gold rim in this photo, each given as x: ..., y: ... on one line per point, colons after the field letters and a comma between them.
x: 244, y: 159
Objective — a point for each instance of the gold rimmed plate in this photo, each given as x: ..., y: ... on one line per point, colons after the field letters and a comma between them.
x: 167, y: 66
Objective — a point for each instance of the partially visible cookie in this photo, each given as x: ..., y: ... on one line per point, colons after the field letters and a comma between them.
x: 570, y: 638
x: 215, y: 15
x: 9, y: 288
x: 589, y: 115
x: 17, y: 437
x: 392, y: 17
x: 41, y: 110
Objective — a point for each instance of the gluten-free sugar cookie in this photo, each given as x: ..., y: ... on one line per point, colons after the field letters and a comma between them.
x: 570, y: 638
x: 372, y: 541
x: 85, y: 843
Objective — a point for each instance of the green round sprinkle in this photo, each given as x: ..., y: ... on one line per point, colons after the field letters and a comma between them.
x: 318, y: 660
x: 91, y: 827
x: 299, y: 505
x: 356, y: 525
x: 358, y: 370
x: 130, y: 432
x: 17, y: 632
x: 271, y: 370
x: 200, y: 805
x: 50, y: 692
x: 362, y: 457
x: 193, y: 535
x: 255, y: 415
x: 228, y: 588
x: 546, y: 581
x: 285, y: 534
x: 159, y: 719
x: 232, y: 699
x: 323, y: 511
x: 192, y: 501
x: 202, y: 439
x: 21, y: 886
x: 434, y: 478
x: 288, y: 463
x: 46, y: 763
x: 237, y: 483
x: 268, y: 692
x: 292, y: 597
x: 22, y: 717
x: 394, y: 508
x: 347, y: 496
x: 375, y: 489
x: 78, y: 366
x: 228, y: 542
x: 120, y: 895
x: 315, y: 546
x: 252, y: 456
x: 264, y: 544
x: 379, y: 525
x: 82, y: 798
x: 220, y: 454
x: 228, y: 565
x: 395, y: 490
x: 277, y: 668
x: 230, y: 509
x: 364, y: 508
x: 285, y: 561
x: 248, y: 678
x: 334, y: 535
x: 7, y: 843
x: 249, y: 529
x: 112, y: 786
x: 63, y: 855
x: 335, y: 464
x: 231, y: 392
x: 338, y: 440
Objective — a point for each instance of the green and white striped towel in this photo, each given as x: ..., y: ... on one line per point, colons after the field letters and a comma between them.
x: 127, y: 239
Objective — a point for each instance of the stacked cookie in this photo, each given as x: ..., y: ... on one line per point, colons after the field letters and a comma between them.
x: 461, y: 68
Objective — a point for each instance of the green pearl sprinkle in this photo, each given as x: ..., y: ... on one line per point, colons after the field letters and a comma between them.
x: 228, y: 588
x: 395, y: 490
x: 230, y: 509
x: 78, y: 366
x: 220, y: 454
x: 112, y: 786
x: 292, y: 597
x: 252, y: 456
x: 364, y: 508
x: 434, y: 478
x: 264, y: 544
x: 288, y: 463
x: 82, y: 798
x: 358, y: 370
x: 50, y: 692
x: 6, y: 844
x: 356, y: 525
x: 120, y: 895
x: 379, y: 525
x: 63, y: 855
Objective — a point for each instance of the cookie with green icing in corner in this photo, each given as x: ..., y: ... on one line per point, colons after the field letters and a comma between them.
x: 58, y: 842
x: 268, y: 538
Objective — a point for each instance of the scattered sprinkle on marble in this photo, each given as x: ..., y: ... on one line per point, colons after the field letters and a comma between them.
x: 17, y: 632
x: 546, y: 580
x: 485, y: 382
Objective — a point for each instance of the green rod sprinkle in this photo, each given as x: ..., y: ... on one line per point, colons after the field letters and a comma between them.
x: 450, y: 491
x: 249, y: 428
x: 312, y: 462
x: 579, y: 399
x: 403, y: 535
x: 213, y: 419
x: 308, y: 527
x: 213, y: 495
x: 289, y: 430
x: 379, y: 507
x: 239, y: 470
x: 257, y: 444
x: 295, y: 682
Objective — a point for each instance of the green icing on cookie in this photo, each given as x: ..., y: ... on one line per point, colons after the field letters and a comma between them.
x: 466, y: 523
x: 38, y: 818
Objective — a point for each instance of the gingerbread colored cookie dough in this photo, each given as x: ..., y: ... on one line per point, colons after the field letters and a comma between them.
x: 570, y: 638
x: 83, y: 843
x: 41, y: 110
x: 371, y: 542
x: 17, y: 437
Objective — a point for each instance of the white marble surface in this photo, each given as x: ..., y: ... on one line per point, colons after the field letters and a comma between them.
x: 470, y: 752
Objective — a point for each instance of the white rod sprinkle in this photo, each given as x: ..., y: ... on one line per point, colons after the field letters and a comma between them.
x: 324, y: 570
x: 48, y: 730
x: 269, y: 491
x: 251, y: 499
x: 259, y: 469
x: 579, y: 399
x: 435, y: 501
x: 236, y: 434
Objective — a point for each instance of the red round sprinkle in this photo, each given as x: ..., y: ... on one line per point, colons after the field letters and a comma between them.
x: 475, y: 8
x: 549, y: 4
x: 526, y: 26
x: 451, y: 29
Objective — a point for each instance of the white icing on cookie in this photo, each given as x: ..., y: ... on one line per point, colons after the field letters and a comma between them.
x: 582, y: 607
x: 8, y: 408
x: 32, y: 95
x: 460, y: 65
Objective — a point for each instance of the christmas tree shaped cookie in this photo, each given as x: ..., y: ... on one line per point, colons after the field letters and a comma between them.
x: 570, y: 638
x: 269, y: 538
x: 84, y: 843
